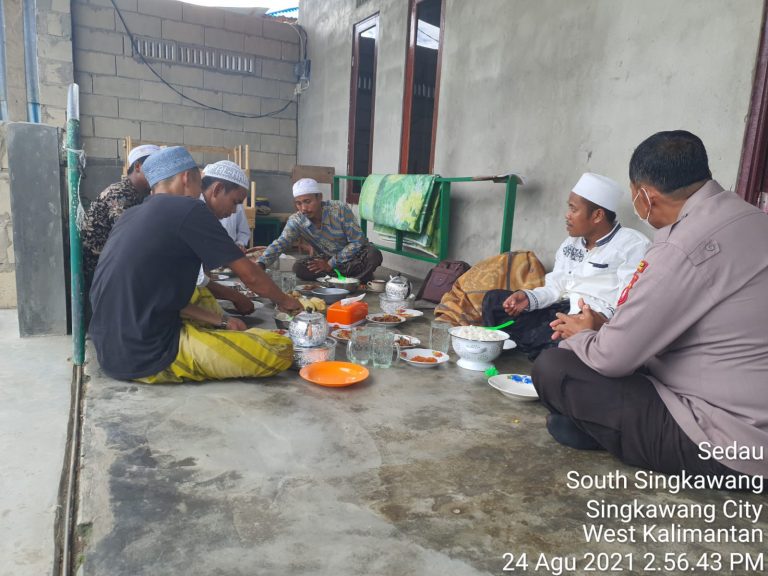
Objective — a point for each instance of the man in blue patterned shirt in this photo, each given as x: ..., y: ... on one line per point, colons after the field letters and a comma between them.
x: 331, y: 228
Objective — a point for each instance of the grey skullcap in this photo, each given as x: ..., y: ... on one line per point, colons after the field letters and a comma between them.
x: 227, y: 170
x: 166, y: 163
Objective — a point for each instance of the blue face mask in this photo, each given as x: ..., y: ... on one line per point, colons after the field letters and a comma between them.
x: 650, y: 207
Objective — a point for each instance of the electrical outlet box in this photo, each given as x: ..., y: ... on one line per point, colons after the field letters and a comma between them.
x: 302, y: 69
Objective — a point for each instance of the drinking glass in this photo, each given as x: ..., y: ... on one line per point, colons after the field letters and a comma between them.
x: 359, y: 346
x: 288, y: 281
x: 439, y: 337
x: 384, y: 348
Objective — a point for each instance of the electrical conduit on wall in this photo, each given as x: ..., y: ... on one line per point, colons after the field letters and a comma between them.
x: 30, y: 61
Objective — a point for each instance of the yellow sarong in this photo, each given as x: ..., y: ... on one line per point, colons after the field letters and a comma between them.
x: 212, y: 354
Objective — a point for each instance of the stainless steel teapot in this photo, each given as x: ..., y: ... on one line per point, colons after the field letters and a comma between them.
x: 308, y: 329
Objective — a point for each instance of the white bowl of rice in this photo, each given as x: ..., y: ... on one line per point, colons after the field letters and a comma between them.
x: 478, y: 347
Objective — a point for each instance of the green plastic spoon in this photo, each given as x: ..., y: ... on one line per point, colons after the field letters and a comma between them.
x: 500, y: 326
x: 340, y: 275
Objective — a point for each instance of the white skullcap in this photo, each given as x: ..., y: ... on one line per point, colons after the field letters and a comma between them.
x: 306, y: 186
x: 598, y: 189
x: 227, y: 170
x: 141, y: 151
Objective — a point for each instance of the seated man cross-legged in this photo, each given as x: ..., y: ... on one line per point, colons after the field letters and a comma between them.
x: 105, y: 210
x: 331, y: 228
x: 225, y: 187
x: 594, y: 263
x: 150, y: 323
x: 677, y: 380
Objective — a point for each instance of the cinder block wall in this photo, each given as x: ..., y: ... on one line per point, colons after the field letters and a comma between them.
x: 55, y: 73
x: 120, y: 96
x: 54, y: 59
x: 7, y: 259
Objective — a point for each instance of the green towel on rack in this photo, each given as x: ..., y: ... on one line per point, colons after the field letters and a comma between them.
x: 428, y: 242
x: 406, y: 202
x: 401, y: 201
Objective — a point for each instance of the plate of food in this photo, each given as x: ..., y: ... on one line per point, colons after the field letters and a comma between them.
x: 409, y: 313
x: 405, y: 341
x: 306, y: 289
x: 229, y: 308
x: 385, y: 319
x: 245, y: 291
x: 424, y: 357
x: 342, y: 334
x: 515, y: 386
x: 230, y: 283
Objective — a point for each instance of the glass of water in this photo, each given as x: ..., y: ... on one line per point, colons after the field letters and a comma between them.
x: 439, y: 337
x: 384, y: 348
x: 359, y: 346
x: 288, y: 281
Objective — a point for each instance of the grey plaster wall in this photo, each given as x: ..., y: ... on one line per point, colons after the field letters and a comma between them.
x: 120, y: 96
x: 549, y: 89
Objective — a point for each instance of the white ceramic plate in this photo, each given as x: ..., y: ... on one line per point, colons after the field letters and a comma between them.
x: 307, y: 288
x: 516, y: 386
x: 405, y: 341
x: 409, y: 355
x: 376, y: 319
x: 409, y: 313
x: 341, y: 334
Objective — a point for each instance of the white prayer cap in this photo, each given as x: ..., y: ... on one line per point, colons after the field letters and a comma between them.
x: 306, y: 186
x: 140, y: 152
x: 598, y: 189
x: 227, y: 170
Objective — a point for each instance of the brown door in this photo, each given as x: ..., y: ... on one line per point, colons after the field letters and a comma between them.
x: 422, y: 86
x: 361, y: 103
x: 752, y: 184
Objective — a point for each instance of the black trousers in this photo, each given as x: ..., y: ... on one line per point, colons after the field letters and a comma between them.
x: 625, y: 416
x: 531, y: 331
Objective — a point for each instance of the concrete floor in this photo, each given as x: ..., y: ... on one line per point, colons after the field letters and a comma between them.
x: 35, y: 377
x: 412, y: 472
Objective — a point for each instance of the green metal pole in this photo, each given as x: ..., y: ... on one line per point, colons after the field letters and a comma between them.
x: 509, y: 214
x: 445, y: 217
x: 335, y: 189
x: 75, y: 248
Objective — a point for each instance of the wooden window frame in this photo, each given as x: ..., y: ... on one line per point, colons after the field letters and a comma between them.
x: 752, y: 169
x: 357, y: 30
x: 405, y: 136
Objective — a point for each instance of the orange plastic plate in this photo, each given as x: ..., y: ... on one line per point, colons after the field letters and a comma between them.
x: 334, y: 374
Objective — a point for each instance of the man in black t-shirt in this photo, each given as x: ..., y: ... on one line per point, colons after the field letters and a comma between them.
x: 148, y: 322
